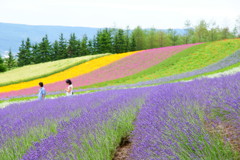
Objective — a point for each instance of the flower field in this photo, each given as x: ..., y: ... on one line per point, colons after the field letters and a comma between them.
x: 184, y: 120
x: 31, y: 72
x: 69, y: 73
x: 130, y: 64
x: 76, y: 117
x: 193, y: 58
x: 198, y: 119
x: 193, y: 120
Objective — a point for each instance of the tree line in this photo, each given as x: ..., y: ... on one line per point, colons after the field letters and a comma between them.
x: 112, y: 40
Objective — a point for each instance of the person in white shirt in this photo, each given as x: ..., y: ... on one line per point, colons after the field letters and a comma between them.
x: 69, y: 89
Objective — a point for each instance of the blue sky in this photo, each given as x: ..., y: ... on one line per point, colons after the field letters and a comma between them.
x: 119, y: 13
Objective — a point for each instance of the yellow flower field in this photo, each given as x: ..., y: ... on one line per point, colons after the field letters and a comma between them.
x: 34, y: 71
x: 69, y: 73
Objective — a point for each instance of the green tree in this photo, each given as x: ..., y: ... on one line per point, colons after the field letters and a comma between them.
x: 62, y: 47
x: 72, y: 48
x: 226, y: 34
x: 119, y: 44
x: 55, y: 51
x: 238, y: 27
x: 45, y: 50
x: 84, y: 46
x: 139, y: 38
x: 95, y: 45
x: 28, y: 51
x: 104, y: 41
x: 35, y: 53
x: 10, y: 60
x: 152, y: 38
x: 173, y: 36
x: 90, y: 47
x: 22, y: 56
x: 127, y: 40
x: 213, y: 32
x: 162, y: 39
x: 25, y: 55
x: 133, y: 46
x: 186, y: 38
x: 201, y: 31
x: 2, y: 67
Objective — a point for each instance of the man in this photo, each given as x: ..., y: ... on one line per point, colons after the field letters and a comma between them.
x: 42, y: 92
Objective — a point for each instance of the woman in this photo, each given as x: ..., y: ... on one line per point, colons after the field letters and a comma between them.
x: 69, y: 89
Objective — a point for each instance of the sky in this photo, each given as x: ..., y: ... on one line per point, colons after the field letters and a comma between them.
x: 120, y: 13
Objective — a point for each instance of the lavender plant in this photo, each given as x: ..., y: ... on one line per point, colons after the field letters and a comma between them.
x: 94, y: 134
x: 21, y: 124
x: 173, y: 123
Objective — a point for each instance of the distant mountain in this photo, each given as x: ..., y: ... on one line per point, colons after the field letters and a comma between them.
x: 11, y: 35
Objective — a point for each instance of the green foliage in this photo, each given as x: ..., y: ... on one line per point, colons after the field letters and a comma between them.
x: 139, y: 35
x: 84, y: 49
x: 22, y: 57
x: 104, y: 41
x: 72, y: 49
x: 10, y: 60
x: 45, y: 50
x: 2, y: 67
x: 173, y: 36
x: 62, y: 52
x: 55, y: 50
x: 119, y: 41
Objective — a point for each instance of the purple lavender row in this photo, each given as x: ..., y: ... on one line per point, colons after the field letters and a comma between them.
x: 17, y: 119
x: 70, y: 141
x: 172, y: 123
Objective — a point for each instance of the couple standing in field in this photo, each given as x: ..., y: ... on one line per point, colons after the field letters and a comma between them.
x: 42, y: 91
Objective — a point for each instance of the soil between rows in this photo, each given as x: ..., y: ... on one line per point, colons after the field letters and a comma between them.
x: 123, y: 150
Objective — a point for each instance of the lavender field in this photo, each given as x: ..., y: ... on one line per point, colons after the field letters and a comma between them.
x: 184, y: 120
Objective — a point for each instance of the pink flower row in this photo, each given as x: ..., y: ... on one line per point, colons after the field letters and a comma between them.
x: 124, y: 67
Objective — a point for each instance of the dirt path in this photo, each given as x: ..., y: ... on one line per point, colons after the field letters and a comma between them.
x: 122, y: 152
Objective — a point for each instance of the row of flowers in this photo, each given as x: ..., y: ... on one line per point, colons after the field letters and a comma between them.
x: 193, y: 120
x: 69, y: 126
x: 69, y: 73
x: 81, y: 75
x: 191, y: 59
x: 30, y: 72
